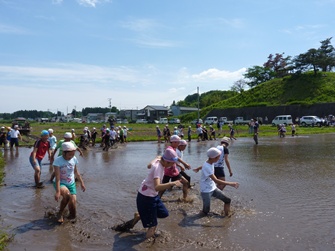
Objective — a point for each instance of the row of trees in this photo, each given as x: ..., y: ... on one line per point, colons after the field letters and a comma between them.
x: 33, y: 114
x: 277, y: 66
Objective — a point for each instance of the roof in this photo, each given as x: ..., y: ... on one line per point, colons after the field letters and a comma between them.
x: 156, y: 107
x: 182, y: 108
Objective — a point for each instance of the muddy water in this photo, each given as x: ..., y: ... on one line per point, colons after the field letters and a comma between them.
x: 285, y: 200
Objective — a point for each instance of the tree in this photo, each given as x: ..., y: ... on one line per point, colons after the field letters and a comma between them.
x: 277, y: 64
x: 239, y: 86
x: 308, y: 60
x: 326, y: 55
x: 258, y: 75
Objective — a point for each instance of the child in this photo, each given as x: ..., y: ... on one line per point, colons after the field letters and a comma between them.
x: 180, y: 152
x: 208, y: 183
x: 149, y: 204
x: 65, y: 167
x: 172, y: 173
x: 159, y: 134
x: 41, y: 147
x: 94, y: 136
x: 211, y: 132
x: 53, y: 140
x: 232, y: 131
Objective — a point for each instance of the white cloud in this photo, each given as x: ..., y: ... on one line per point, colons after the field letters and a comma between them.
x: 92, y: 3
x: 12, y: 29
x: 215, y: 74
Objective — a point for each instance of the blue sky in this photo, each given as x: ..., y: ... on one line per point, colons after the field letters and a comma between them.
x: 66, y: 54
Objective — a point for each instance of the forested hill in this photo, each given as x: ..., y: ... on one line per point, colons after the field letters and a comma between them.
x: 307, y: 88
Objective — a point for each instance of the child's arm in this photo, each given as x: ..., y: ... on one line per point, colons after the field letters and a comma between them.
x: 181, y: 167
x: 197, y: 169
x: 228, y: 164
x: 79, y: 178
x: 187, y: 166
x: 162, y: 187
x: 223, y: 182
x: 57, y: 175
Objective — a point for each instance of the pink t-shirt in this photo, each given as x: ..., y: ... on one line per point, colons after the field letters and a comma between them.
x: 173, y: 170
x: 147, y: 187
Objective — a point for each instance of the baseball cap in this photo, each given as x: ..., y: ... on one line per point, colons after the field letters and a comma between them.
x: 170, y: 155
x: 213, y: 152
x: 68, y: 146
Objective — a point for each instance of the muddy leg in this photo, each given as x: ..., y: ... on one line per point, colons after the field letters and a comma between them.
x: 72, y: 206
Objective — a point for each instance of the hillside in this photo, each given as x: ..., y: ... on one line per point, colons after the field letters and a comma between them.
x: 306, y: 89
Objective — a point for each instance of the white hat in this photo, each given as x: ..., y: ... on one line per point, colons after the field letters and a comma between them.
x: 67, y: 135
x: 68, y: 146
x: 183, y: 142
x: 175, y: 138
x: 16, y: 126
x: 50, y: 130
x: 225, y: 140
x: 213, y: 152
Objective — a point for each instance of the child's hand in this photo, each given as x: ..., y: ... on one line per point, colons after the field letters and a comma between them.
x: 83, y: 188
x: 235, y: 184
x: 57, y: 196
x: 196, y: 170
x: 178, y: 183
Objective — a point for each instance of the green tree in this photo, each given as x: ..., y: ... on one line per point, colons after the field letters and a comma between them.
x: 326, y: 55
x: 258, y: 74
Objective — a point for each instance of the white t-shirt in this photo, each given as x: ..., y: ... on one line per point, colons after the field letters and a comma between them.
x: 206, y: 183
x: 147, y: 187
x: 14, y: 134
x: 113, y: 135
x: 66, y: 169
x: 53, y: 142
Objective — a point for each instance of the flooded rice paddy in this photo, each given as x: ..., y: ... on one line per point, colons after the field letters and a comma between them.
x: 285, y: 200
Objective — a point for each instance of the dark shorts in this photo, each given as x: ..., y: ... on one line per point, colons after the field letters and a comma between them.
x: 14, y: 141
x: 150, y: 208
x: 167, y: 179
x: 219, y: 172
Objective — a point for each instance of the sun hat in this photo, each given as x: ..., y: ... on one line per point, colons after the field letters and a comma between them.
x: 175, y: 138
x: 72, y: 130
x: 68, y: 146
x: 225, y: 140
x: 213, y: 152
x: 16, y: 126
x: 50, y: 130
x: 183, y: 142
x: 44, y: 133
x: 170, y: 155
x: 67, y: 135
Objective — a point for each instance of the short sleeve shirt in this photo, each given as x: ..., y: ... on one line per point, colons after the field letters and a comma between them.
x: 206, y: 183
x: 66, y: 169
x: 147, y: 187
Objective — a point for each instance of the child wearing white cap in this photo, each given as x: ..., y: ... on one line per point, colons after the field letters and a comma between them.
x: 208, y: 183
x: 66, y: 169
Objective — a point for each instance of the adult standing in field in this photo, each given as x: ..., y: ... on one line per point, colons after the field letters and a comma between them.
x: 41, y: 147
x: 255, y: 129
x: 3, y: 137
x: 14, y: 137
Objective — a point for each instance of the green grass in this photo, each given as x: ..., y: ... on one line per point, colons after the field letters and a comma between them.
x: 4, y: 237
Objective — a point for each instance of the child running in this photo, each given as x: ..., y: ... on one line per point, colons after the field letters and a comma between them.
x: 208, y: 183
x: 149, y: 204
x: 66, y: 169
x: 41, y: 147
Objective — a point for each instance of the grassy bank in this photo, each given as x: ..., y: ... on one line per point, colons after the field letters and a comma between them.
x: 147, y: 132
x: 4, y: 238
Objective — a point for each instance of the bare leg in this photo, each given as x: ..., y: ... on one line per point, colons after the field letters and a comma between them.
x: 72, y: 206
x: 37, y: 175
x: 150, y: 232
x: 226, y: 209
x: 65, y: 193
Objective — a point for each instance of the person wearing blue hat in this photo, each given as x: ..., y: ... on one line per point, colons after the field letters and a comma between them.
x: 41, y: 147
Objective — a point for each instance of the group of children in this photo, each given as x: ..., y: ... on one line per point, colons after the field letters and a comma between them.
x: 164, y: 174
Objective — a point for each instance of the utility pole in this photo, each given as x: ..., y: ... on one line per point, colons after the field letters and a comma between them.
x: 110, y: 104
x: 198, y: 103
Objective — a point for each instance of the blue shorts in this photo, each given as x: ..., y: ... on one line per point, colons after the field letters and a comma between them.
x: 38, y: 162
x: 72, y: 188
x: 14, y: 141
x: 150, y: 208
